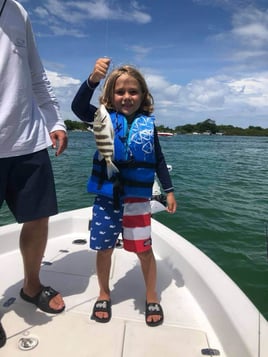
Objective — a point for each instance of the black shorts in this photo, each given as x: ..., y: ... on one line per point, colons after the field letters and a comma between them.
x: 27, y: 185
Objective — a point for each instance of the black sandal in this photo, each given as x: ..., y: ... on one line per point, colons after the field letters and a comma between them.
x: 102, y: 306
x: 42, y: 299
x: 153, y: 308
x: 3, y: 337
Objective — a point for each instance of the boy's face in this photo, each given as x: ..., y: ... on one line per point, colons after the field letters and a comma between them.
x: 127, y: 96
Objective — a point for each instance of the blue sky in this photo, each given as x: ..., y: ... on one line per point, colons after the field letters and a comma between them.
x: 201, y: 58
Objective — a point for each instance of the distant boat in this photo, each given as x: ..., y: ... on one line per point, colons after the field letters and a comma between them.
x: 161, y: 133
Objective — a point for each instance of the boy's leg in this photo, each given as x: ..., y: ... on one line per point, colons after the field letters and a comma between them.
x: 148, y: 266
x: 103, y: 266
x: 149, y: 270
x: 105, y: 228
x: 137, y: 238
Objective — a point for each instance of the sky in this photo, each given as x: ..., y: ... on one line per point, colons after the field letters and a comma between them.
x: 202, y: 59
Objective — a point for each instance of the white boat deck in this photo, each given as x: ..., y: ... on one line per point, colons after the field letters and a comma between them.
x: 70, y: 268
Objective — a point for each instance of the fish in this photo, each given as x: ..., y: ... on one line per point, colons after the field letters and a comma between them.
x: 104, y: 136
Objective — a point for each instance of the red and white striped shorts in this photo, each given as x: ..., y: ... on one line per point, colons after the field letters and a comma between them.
x: 137, y: 225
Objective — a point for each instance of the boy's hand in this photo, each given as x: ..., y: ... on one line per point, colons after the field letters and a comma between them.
x: 171, y: 203
x: 100, y: 70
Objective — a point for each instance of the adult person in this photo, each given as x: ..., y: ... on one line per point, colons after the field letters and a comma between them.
x: 137, y: 155
x: 30, y: 122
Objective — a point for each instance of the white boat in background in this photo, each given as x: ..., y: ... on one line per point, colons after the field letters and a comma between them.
x: 206, y: 314
x: 162, y: 133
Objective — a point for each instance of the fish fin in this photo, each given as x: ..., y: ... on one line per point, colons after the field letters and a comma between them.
x: 111, y: 169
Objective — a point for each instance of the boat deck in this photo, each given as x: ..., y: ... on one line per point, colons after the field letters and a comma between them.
x: 70, y: 268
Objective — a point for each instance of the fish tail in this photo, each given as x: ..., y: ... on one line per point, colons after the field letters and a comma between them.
x: 111, y: 169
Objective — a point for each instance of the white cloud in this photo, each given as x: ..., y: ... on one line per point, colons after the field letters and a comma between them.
x: 227, y: 99
x: 60, y: 81
x: 65, y: 88
x: 140, y: 52
x: 239, y: 96
x: 247, y: 41
x: 250, y: 27
x: 57, y: 13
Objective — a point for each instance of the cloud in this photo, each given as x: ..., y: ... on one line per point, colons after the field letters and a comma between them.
x: 61, y: 81
x: 246, y: 42
x: 140, y: 52
x: 65, y: 88
x: 227, y: 99
x: 250, y: 27
x: 57, y: 13
x: 238, y: 96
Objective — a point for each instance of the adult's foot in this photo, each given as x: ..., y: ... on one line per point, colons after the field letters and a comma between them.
x: 47, y: 300
x: 3, y: 337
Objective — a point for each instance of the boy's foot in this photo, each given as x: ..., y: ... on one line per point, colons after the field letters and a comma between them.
x: 103, y: 306
x: 153, y: 309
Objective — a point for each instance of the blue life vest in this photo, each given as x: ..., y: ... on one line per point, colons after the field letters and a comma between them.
x: 134, y: 156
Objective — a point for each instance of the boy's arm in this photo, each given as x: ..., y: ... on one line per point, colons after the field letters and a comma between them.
x: 81, y: 103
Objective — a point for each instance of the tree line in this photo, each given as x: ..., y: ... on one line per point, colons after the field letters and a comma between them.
x: 207, y: 126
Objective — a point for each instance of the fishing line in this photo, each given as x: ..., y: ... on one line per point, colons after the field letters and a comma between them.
x: 107, y: 35
x: 107, y: 30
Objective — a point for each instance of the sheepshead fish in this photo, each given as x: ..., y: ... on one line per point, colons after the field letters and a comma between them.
x: 104, y: 136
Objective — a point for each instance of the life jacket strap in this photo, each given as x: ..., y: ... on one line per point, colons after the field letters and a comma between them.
x: 131, y: 164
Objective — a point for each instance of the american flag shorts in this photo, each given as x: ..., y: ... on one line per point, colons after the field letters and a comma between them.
x: 137, y: 225
x: 133, y: 220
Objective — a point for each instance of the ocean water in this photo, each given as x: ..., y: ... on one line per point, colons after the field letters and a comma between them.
x: 221, y: 187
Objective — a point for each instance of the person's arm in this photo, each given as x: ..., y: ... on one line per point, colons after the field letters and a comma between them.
x: 81, y: 103
x: 161, y: 167
x: 44, y: 95
x: 164, y: 176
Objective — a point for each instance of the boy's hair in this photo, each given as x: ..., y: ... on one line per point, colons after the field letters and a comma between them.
x: 106, y: 98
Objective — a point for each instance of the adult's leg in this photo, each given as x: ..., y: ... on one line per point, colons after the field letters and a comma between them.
x: 33, y: 240
x: 103, y: 266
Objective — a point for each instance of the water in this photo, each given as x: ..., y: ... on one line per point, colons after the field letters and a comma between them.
x: 222, y: 191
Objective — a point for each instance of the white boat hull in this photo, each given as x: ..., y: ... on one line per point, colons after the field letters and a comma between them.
x: 203, y: 308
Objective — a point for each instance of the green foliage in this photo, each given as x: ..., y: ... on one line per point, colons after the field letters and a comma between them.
x: 75, y: 125
x: 207, y: 126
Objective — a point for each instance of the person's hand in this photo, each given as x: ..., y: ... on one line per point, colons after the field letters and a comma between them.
x: 100, y: 70
x: 171, y: 203
x: 59, y: 141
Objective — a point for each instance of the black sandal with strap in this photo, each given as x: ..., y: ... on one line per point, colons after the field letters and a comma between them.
x: 3, y: 337
x: 42, y: 299
x: 153, y: 308
x: 102, y: 306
